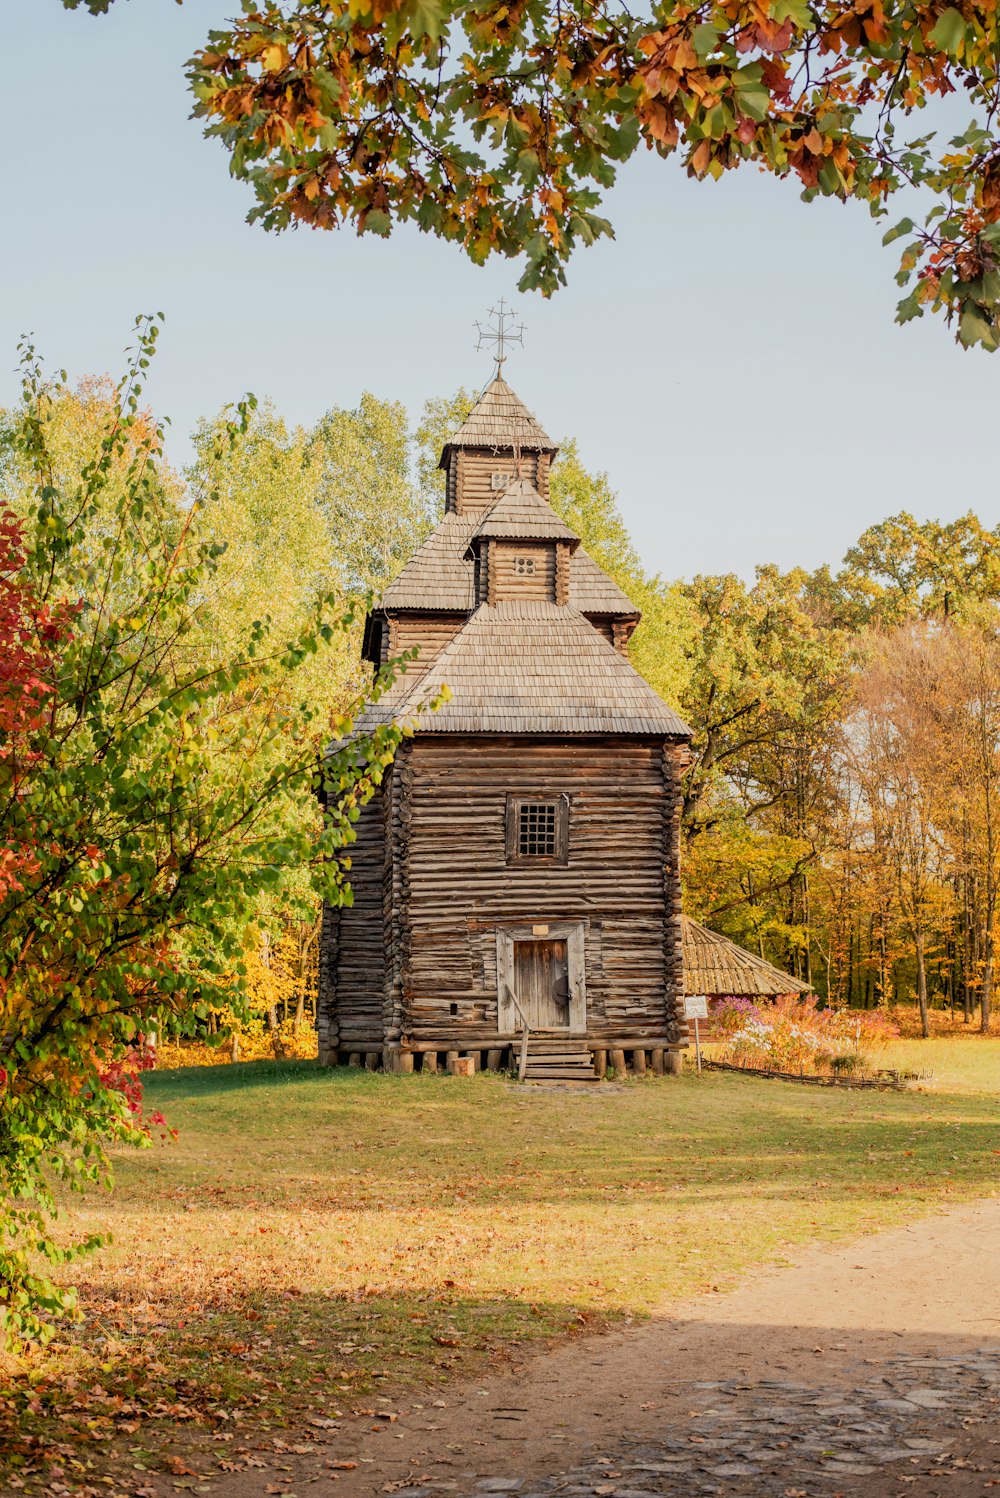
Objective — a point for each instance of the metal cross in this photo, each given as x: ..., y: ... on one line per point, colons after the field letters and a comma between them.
x: 500, y: 332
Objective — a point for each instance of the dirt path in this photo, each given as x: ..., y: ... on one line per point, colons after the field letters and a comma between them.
x: 869, y: 1369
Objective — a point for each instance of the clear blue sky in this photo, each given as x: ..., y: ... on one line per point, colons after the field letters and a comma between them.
x: 730, y: 359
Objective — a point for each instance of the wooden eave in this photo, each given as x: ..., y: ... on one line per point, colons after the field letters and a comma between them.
x: 499, y: 420
x: 719, y: 968
x: 521, y: 514
x: 440, y: 576
x: 437, y: 576
x: 528, y: 667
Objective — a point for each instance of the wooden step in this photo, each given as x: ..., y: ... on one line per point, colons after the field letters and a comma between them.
x: 554, y: 1056
x: 556, y: 1047
x: 560, y: 1074
x: 574, y: 1052
x: 559, y: 1061
x: 583, y: 1057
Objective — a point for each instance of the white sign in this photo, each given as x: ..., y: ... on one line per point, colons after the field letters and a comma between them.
x: 696, y: 1007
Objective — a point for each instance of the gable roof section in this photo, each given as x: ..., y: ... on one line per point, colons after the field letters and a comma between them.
x: 500, y: 419
x: 520, y: 514
x: 437, y: 576
x: 717, y: 967
x: 528, y: 668
x: 592, y: 591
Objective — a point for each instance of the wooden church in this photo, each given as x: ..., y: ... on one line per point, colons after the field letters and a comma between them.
x: 516, y: 884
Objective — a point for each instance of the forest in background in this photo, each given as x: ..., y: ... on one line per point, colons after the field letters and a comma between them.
x: 842, y: 802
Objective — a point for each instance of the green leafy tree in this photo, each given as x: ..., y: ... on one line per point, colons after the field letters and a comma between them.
x: 765, y: 694
x: 905, y: 569
x: 144, y: 799
x: 377, y: 517
x: 441, y: 419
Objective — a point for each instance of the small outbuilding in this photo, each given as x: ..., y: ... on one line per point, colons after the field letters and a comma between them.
x: 720, y: 969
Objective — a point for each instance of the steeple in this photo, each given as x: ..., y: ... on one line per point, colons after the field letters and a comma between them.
x: 499, y: 440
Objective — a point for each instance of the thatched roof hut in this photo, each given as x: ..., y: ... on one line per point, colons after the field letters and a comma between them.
x: 718, y: 968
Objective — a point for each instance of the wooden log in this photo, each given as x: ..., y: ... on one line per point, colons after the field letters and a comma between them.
x: 451, y: 1058
x: 618, y: 1062
x: 494, y: 1060
x: 656, y: 1057
x: 354, y: 1059
x: 639, y: 1063
x: 601, y: 1063
x: 675, y: 1063
x: 372, y: 1060
x: 463, y: 1066
x: 404, y: 1061
x: 430, y: 1061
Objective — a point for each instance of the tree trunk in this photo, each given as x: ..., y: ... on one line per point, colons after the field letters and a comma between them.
x: 925, y: 1026
x: 272, y: 1026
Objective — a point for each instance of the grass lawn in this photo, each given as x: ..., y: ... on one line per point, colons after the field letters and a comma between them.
x: 959, y: 1063
x: 315, y: 1241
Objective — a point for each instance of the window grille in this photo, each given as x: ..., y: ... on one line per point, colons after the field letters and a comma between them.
x: 536, y: 832
x: 499, y: 480
x: 524, y: 566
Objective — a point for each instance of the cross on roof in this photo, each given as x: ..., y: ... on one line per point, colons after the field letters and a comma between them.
x: 500, y: 332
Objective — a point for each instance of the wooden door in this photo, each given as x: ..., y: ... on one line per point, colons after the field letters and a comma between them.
x: 541, y: 983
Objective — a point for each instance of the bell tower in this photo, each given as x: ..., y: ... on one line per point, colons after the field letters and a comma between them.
x: 500, y: 440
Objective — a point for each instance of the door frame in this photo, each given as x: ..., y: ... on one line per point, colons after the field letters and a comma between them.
x: 574, y: 934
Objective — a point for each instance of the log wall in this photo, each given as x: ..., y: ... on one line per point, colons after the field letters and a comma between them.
x: 470, y: 471
x: 352, y: 964
x: 620, y: 879
x: 432, y: 632
x: 507, y: 581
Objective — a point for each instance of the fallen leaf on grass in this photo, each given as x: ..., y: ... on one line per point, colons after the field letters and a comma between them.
x: 342, y: 1466
x: 178, y: 1467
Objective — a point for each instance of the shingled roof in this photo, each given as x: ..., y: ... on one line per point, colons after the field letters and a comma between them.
x: 437, y: 576
x: 521, y: 514
x: 500, y: 419
x: 440, y: 576
x: 528, y: 667
x: 592, y: 591
x: 717, y: 967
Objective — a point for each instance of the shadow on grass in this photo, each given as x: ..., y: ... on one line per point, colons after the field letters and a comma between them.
x: 140, y: 1381
x: 209, y: 1081
x: 131, y: 1397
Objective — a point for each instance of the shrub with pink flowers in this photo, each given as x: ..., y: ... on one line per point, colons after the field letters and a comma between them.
x: 795, y: 1035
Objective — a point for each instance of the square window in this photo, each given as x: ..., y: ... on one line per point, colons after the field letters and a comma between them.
x: 537, y: 829
x: 524, y: 566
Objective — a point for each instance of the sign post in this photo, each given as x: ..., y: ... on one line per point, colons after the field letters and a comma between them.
x: 696, y: 1008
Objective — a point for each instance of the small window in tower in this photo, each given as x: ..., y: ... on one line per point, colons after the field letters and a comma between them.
x: 537, y: 829
x: 499, y: 480
x: 524, y: 566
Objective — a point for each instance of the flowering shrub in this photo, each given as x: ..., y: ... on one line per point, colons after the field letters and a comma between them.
x: 794, y: 1035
